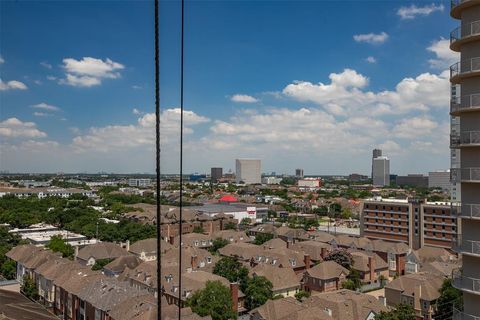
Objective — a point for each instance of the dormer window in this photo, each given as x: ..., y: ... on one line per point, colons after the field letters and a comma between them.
x: 209, y: 259
x: 204, y: 242
x: 196, y: 243
x: 293, y: 262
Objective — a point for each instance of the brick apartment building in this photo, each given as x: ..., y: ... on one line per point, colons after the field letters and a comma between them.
x: 415, y: 222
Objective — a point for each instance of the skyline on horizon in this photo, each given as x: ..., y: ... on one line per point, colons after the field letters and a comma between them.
x: 319, y: 92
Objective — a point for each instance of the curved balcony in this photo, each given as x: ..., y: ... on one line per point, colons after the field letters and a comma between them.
x: 465, y: 139
x: 464, y: 34
x: 467, y: 247
x: 465, y: 283
x: 464, y: 69
x: 460, y: 315
x: 457, y: 6
x: 467, y: 103
x: 465, y: 175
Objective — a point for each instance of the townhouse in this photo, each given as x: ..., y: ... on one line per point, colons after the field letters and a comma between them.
x: 324, y: 277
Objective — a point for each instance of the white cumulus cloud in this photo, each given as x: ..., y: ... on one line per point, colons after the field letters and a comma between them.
x: 89, y: 71
x: 12, y: 85
x: 346, y: 94
x: 15, y: 128
x: 372, y: 38
x: 371, y: 59
x: 45, y: 106
x: 411, y: 12
x: 243, y: 98
x: 444, y: 56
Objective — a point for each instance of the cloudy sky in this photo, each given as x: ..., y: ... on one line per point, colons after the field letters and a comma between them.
x: 315, y: 85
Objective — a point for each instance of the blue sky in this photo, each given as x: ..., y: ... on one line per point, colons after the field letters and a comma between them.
x: 298, y: 84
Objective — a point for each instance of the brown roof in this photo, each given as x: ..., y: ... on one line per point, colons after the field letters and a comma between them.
x: 101, y: 250
x: 430, y: 285
x: 275, y: 243
x: 148, y: 246
x: 14, y: 305
x: 123, y: 262
x: 313, y: 248
x: 361, y: 261
x: 327, y: 270
x: 281, y: 278
x: 22, y: 252
x: 337, y: 305
x: 231, y: 235
x: 145, y: 273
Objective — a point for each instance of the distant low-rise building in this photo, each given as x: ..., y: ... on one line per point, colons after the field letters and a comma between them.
x: 309, y: 184
x: 141, y: 183
x: 412, y: 180
x: 440, y: 179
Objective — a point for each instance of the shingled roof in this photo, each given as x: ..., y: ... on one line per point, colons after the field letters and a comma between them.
x: 327, y: 270
x: 101, y: 250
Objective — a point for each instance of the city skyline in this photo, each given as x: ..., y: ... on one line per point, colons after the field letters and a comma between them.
x: 283, y: 93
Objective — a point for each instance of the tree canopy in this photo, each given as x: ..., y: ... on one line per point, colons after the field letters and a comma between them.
x: 341, y: 257
x: 214, y: 300
x: 401, y: 312
x: 449, y: 297
x: 257, y: 292
x: 233, y: 270
x: 261, y: 238
x: 57, y: 244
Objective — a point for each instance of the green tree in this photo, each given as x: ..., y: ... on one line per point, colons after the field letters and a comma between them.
x: 342, y: 257
x: 261, y: 238
x: 233, y: 270
x: 246, y: 221
x: 354, y: 277
x: 218, y: 243
x: 300, y: 295
x: 449, y: 297
x: 288, y: 181
x: 257, y: 292
x: 214, y: 300
x: 230, y: 226
x: 401, y: 312
x: 29, y: 288
x: 9, y: 269
x: 198, y: 229
x: 100, y: 263
x: 57, y: 244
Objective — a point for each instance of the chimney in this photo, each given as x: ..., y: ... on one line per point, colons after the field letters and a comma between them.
x: 211, y: 227
x: 172, y: 240
x: 194, y: 262
x: 76, y: 253
x: 234, y: 296
x: 127, y: 245
x: 382, y: 300
x: 323, y: 252
x: 289, y: 243
x: 371, y: 268
x: 307, y: 261
x: 416, y: 297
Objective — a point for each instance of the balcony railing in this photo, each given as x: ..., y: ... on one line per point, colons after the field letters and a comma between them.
x: 465, y: 138
x: 465, y: 103
x: 460, y: 315
x: 466, y: 246
x: 465, y: 31
x: 465, y: 283
x: 465, y: 174
x: 465, y: 66
x: 467, y: 210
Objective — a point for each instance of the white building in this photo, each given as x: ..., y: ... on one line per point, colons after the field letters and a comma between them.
x: 309, y: 184
x: 439, y: 179
x: 271, y: 180
x: 248, y: 171
x: 381, y: 171
x: 142, y: 183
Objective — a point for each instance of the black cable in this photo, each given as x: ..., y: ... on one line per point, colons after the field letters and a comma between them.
x: 181, y: 163
x: 157, y: 161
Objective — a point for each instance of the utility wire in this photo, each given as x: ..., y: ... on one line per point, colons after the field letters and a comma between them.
x: 181, y: 161
x: 157, y: 160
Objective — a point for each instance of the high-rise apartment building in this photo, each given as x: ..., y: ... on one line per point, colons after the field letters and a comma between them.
x: 381, y: 171
x: 440, y: 179
x: 375, y: 154
x: 248, y: 171
x: 415, y: 222
x: 299, y: 173
x: 216, y: 174
x: 465, y: 139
